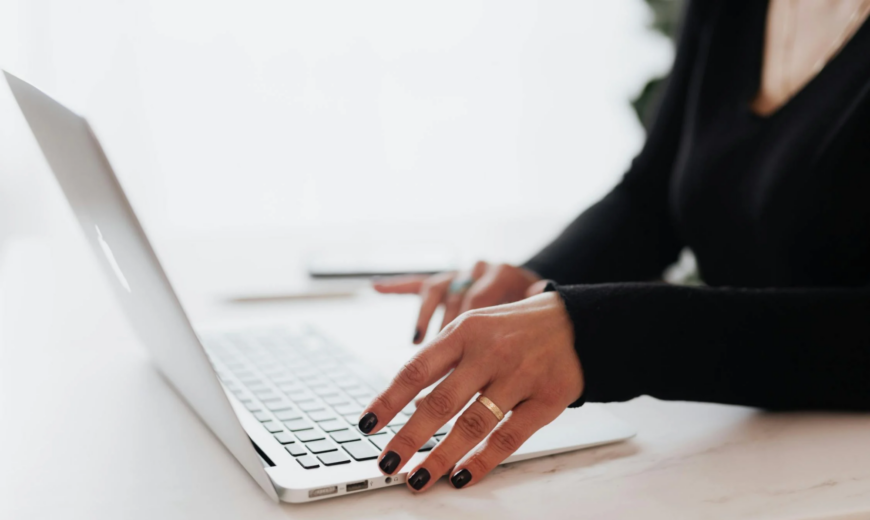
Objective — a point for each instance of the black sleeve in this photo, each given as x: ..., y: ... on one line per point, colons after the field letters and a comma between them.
x: 778, y: 349
x: 628, y: 235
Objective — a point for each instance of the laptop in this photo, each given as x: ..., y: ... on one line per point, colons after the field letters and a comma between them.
x: 284, y: 400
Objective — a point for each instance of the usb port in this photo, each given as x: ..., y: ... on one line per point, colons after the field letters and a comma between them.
x: 358, y: 486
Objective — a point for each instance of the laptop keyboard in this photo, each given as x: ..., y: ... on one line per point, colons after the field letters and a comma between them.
x: 302, y: 392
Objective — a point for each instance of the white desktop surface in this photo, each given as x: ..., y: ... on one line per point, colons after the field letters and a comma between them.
x: 91, y: 431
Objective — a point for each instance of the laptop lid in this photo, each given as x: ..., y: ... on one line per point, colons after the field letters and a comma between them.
x: 125, y: 255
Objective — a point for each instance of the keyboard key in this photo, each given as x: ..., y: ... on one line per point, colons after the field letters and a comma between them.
x: 351, y: 408
x: 273, y: 426
x: 301, y: 397
x: 278, y: 405
x: 333, y: 425
x: 325, y: 390
x: 408, y: 410
x: 262, y: 416
x: 247, y: 377
x: 359, y: 392
x: 347, y: 382
x: 338, y: 374
x: 314, y: 380
x: 291, y: 387
x: 428, y: 446
x: 284, y: 379
x: 385, y: 431
x: 297, y: 393
x: 265, y: 393
x: 344, y: 436
x: 333, y: 458
x: 308, y: 462
x: 288, y: 415
x: 320, y: 446
x: 284, y: 438
x: 328, y: 366
x: 310, y: 406
x: 296, y: 450
x: 310, y: 435
x: 380, y: 441
x: 360, y: 450
x: 333, y: 400
x: 298, y: 424
x: 365, y: 400
x: 398, y: 420
x: 252, y: 406
x: 321, y: 415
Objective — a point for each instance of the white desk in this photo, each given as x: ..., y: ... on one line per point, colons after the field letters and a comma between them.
x: 90, y: 430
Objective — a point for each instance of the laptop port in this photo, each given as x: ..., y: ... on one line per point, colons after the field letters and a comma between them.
x: 358, y: 486
x: 320, y: 492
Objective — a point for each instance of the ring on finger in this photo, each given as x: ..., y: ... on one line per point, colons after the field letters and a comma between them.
x: 460, y: 284
x: 491, y: 406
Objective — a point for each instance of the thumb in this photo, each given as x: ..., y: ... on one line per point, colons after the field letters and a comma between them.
x: 537, y: 288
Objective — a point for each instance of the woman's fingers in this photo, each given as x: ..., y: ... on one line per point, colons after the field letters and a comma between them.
x: 453, y: 303
x: 400, y: 284
x: 536, y: 288
x: 486, y: 292
x: 525, y: 419
x: 428, y: 366
x: 432, y: 293
x: 451, y: 308
x: 445, y: 401
x: 475, y: 423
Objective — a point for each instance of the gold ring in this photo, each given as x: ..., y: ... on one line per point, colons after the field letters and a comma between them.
x: 492, y: 407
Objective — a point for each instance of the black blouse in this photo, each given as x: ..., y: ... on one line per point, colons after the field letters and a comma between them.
x: 777, y: 212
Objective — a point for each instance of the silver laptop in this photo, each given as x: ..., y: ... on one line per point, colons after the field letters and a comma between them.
x: 284, y: 401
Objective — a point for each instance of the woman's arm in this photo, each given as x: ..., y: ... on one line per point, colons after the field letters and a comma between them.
x: 770, y: 348
x: 628, y: 236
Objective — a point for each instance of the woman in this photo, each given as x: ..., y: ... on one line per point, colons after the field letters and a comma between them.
x: 759, y: 161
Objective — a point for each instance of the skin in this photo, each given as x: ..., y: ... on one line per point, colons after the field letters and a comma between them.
x: 503, y: 339
x: 494, y: 284
x: 488, y: 351
x: 789, y: 64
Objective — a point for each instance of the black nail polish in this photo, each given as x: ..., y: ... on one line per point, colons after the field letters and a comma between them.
x: 368, y: 422
x: 390, y: 462
x: 419, y: 478
x: 460, y: 478
x: 417, y: 335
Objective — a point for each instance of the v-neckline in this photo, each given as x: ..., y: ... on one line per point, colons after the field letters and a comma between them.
x: 758, y: 66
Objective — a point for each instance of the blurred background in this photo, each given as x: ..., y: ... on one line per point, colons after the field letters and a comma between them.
x: 253, y: 137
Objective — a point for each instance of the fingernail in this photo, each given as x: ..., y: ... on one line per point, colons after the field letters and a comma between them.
x: 460, y: 478
x: 417, y: 335
x: 419, y: 478
x: 368, y: 422
x: 390, y: 462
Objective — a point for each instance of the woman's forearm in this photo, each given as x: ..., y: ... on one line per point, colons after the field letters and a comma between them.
x: 770, y: 348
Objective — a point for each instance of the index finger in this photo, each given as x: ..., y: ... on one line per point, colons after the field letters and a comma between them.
x: 406, y: 284
x: 426, y: 367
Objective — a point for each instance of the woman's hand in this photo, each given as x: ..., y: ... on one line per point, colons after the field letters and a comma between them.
x: 486, y: 285
x: 520, y: 356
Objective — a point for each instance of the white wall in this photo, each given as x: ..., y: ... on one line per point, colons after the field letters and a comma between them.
x: 223, y: 116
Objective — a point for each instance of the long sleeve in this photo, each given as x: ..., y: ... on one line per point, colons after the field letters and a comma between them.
x: 770, y: 348
x: 628, y: 235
